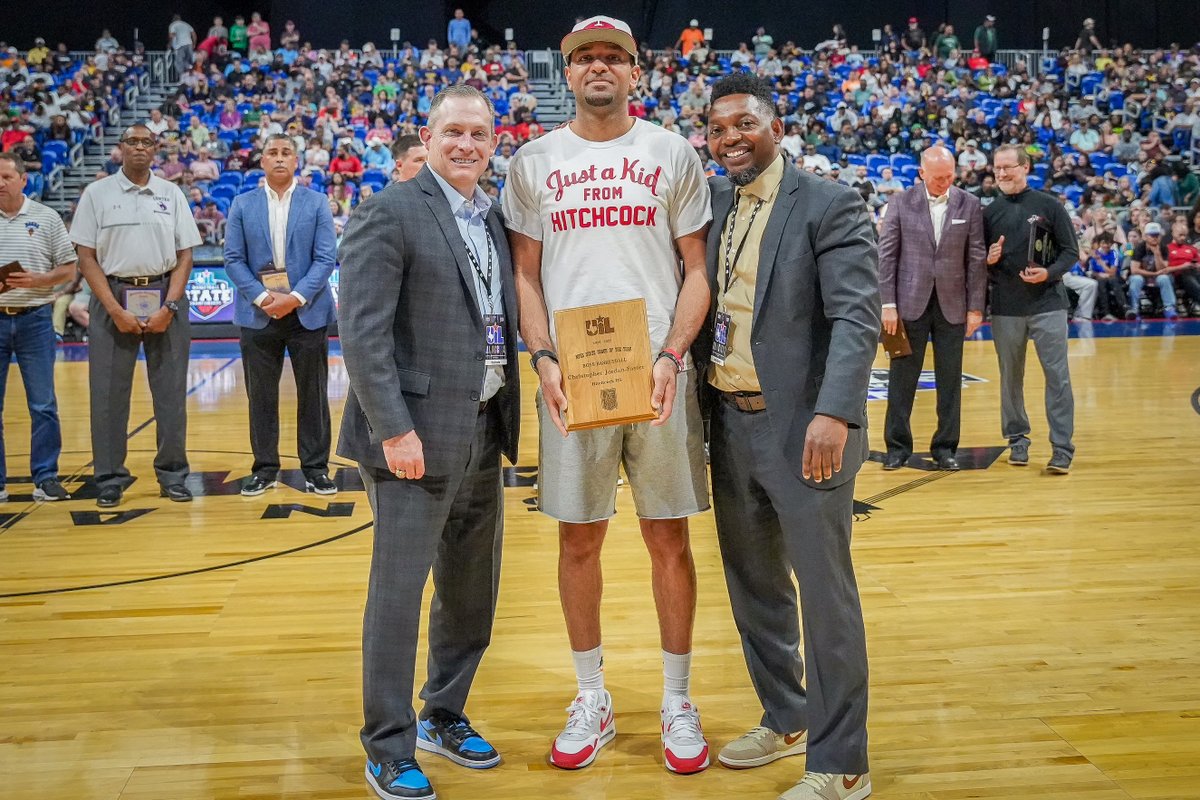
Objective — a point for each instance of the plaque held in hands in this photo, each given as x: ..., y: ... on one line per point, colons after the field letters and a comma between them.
x: 604, y: 352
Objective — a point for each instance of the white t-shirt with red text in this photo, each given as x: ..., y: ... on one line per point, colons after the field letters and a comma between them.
x: 607, y: 215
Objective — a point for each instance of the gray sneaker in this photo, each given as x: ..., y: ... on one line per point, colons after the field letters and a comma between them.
x: 1060, y: 464
x: 50, y: 490
x: 762, y: 746
x: 1018, y: 456
x: 823, y: 786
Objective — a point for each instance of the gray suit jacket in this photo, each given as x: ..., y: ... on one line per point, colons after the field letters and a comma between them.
x: 411, y: 332
x: 911, y: 265
x: 816, y: 311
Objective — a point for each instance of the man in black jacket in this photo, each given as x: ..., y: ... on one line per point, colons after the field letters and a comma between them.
x: 1029, y: 302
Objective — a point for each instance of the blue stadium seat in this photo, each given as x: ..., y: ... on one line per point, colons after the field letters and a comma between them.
x: 1116, y: 101
x: 876, y: 162
x: 909, y: 171
x: 223, y: 203
x: 230, y: 178
x: 1099, y: 161
x: 1073, y: 193
x: 252, y: 176
x: 49, y: 162
x: 374, y: 175
x: 899, y: 160
x: 856, y: 160
x: 58, y: 149
x: 224, y: 191
x: 1036, y: 181
x: 1090, y: 83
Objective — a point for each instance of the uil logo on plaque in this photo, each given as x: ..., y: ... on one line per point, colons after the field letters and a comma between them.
x: 604, y: 352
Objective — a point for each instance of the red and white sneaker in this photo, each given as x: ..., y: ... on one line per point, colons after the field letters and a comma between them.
x: 685, y: 749
x: 590, y: 726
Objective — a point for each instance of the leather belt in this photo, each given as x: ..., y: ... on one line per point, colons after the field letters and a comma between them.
x: 746, y: 402
x: 16, y: 311
x: 140, y: 280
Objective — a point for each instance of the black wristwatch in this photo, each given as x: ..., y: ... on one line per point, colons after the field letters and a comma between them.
x: 540, y: 354
x: 173, y: 305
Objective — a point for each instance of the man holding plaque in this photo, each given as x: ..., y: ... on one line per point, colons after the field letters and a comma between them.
x: 1031, y: 246
x: 794, y: 279
x: 35, y: 256
x: 135, y: 234
x: 933, y: 277
x: 602, y: 210
x: 280, y: 249
x: 427, y: 316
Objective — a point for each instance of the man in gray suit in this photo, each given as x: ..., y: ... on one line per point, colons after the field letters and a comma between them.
x: 932, y: 275
x: 793, y: 274
x: 427, y: 320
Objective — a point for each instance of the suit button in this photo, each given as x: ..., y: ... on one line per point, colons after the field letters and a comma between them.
x: 475, y: 396
x: 479, y: 356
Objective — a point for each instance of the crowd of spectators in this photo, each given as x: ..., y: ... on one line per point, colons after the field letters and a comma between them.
x: 1110, y: 131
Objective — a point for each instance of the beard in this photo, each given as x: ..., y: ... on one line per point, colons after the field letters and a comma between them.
x: 599, y: 100
x: 745, y: 177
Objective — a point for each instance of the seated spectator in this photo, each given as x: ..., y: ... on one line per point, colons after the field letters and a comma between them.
x: 1104, y: 267
x: 971, y: 157
x: 210, y: 221
x: 812, y: 160
x: 340, y: 192
x: 231, y: 118
x: 1085, y: 139
x: 59, y: 130
x: 345, y: 163
x: 377, y: 156
x: 1149, y: 263
x: 204, y: 169
x: 1079, y: 281
x: 259, y: 33
x: 316, y: 157
x: 887, y: 185
x: 1183, y: 260
x: 29, y: 152
x: 1163, y: 187
x: 171, y: 169
x: 380, y: 132
x: 986, y: 191
x: 157, y: 124
x: 340, y: 216
x: 862, y: 182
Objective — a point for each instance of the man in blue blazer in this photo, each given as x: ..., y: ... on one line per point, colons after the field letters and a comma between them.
x: 280, y: 248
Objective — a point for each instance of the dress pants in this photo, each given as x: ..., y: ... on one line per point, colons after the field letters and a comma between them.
x: 1111, y: 297
x: 452, y: 524
x: 1011, y: 336
x: 905, y: 373
x: 262, y: 360
x: 770, y: 524
x: 112, y: 356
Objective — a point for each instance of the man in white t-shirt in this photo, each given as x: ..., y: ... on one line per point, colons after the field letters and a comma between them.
x: 183, y: 41
x: 600, y: 210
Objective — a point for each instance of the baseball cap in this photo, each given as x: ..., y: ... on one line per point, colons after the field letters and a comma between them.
x: 1153, y: 229
x: 695, y: 23
x: 990, y: 18
x: 599, y: 29
x: 911, y: 20
x: 972, y: 143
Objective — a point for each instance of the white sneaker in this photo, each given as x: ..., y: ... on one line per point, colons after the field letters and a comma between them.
x: 824, y: 786
x: 762, y: 746
x: 590, y: 726
x: 685, y: 749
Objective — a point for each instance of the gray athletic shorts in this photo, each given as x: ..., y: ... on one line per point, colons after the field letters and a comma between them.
x: 577, y: 476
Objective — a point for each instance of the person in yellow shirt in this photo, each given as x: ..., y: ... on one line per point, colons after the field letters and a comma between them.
x: 39, y: 54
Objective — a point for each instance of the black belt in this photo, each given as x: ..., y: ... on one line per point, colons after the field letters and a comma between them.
x: 16, y: 311
x: 746, y: 402
x: 140, y: 280
x: 483, y: 406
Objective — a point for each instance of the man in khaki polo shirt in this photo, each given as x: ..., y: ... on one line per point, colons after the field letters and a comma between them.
x: 33, y: 236
x: 135, y: 235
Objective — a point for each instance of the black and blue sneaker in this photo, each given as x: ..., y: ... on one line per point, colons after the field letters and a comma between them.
x: 451, y: 736
x: 399, y: 779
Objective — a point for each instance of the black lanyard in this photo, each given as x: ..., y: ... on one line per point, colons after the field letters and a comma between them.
x: 730, y: 265
x: 486, y: 279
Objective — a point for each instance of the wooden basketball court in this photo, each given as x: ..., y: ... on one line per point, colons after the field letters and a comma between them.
x: 1030, y: 636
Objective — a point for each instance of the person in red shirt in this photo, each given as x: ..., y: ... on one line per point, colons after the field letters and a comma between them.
x: 346, y: 163
x: 1183, y: 260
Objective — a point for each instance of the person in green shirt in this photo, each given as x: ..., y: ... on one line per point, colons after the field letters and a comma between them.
x: 946, y: 42
x: 1189, y: 186
x: 238, y: 39
x: 986, y: 41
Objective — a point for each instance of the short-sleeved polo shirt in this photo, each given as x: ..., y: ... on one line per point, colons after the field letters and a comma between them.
x: 135, y: 230
x: 37, y: 238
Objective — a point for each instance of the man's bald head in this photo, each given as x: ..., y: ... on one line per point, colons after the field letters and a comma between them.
x: 937, y: 170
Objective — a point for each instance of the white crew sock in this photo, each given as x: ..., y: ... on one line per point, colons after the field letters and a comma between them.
x: 677, y: 673
x: 589, y: 668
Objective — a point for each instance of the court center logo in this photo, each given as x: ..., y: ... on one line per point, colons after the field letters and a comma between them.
x: 878, y: 388
x: 208, y: 294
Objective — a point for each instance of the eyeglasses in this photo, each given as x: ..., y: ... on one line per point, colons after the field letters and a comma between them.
x: 144, y: 144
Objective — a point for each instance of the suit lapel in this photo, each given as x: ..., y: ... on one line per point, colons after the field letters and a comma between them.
x: 295, y: 211
x: 436, y: 200
x: 263, y: 207
x: 768, y: 248
x: 722, y: 203
x: 920, y: 207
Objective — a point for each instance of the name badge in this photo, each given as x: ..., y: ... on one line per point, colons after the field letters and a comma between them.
x: 495, y: 351
x: 720, y: 347
x: 142, y: 303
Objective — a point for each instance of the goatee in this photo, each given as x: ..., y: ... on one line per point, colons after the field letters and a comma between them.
x: 745, y: 177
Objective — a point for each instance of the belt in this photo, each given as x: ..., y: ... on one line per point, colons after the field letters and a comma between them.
x: 483, y: 407
x: 16, y: 311
x: 140, y: 280
x: 746, y: 402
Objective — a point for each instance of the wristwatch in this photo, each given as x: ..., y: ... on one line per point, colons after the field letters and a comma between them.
x: 539, y: 355
x: 173, y: 305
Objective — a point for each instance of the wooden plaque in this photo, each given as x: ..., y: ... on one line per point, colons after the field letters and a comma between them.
x: 604, y: 352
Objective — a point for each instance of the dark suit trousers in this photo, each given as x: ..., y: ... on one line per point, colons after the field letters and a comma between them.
x: 262, y: 359
x: 770, y: 524
x: 904, y: 374
x: 452, y: 524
